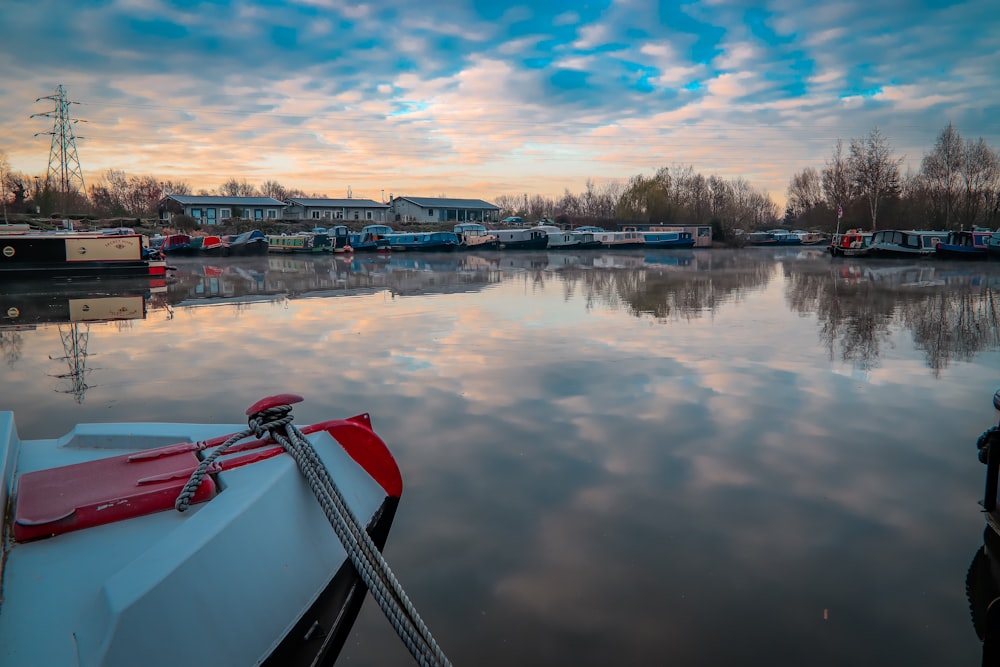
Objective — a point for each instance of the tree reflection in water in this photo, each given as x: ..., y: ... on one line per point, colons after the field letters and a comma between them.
x: 952, y: 314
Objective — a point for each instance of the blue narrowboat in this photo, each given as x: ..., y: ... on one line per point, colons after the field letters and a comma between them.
x: 668, y: 239
x: 965, y: 245
x: 371, y: 238
x: 425, y: 241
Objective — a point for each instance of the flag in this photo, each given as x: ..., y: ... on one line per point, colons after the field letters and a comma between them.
x: 840, y: 212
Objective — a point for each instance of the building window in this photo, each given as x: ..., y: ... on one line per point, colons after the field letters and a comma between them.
x: 357, y: 216
x: 272, y: 214
x: 338, y: 215
x: 368, y: 215
x: 315, y: 215
x: 326, y: 215
x: 430, y: 212
x: 196, y: 214
x: 211, y: 216
x: 258, y: 214
x: 225, y: 214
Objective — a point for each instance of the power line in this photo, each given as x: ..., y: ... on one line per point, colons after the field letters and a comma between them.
x: 64, y: 163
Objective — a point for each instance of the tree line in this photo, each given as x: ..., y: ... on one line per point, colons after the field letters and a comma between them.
x: 957, y: 186
x: 860, y: 185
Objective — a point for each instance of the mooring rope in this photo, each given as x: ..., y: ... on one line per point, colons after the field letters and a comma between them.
x: 276, y: 423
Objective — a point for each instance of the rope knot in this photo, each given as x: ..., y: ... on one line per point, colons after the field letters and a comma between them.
x: 266, y: 422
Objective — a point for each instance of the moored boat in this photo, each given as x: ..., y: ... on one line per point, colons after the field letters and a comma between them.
x: 618, y: 240
x: 209, y: 246
x: 100, y: 567
x: 668, y: 239
x: 371, y: 238
x: 475, y: 236
x: 521, y: 239
x: 26, y: 253
x: 972, y: 244
x: 177, y: 245
x: 852, y: 243
x: 248, y: 243
x: 423, y: 241
x: 904, y: 243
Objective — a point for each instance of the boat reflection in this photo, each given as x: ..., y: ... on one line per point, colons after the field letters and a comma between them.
x: 951, y: 311
x: 72, y: 308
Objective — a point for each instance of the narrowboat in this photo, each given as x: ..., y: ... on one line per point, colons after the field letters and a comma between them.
x: 248, y: 243
x: 301, y: 243
x: 177, y: 245
x: 617, y: 240
x: 521, y: 239
x: 209, y: 246
x: 371, y: 238
x: 852, y: 243
x: 965, y: 245
x: 563, y: 240
x: 904, y: 244
x: 474, y: 236
x: 668, y: 239
x: 773, y: 237
x: 26, y: 253
x: 423, y: 241
x: 157, y: 544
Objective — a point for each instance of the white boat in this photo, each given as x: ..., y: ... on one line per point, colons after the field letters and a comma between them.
x: 100, y: 568
x: 620, y: 240
x: 474, y: 236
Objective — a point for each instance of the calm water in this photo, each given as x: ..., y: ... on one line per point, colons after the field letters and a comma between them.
x: 750, y: 457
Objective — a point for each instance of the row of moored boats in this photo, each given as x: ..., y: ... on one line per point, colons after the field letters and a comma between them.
x: 382, y: 238
x: 975, y: 244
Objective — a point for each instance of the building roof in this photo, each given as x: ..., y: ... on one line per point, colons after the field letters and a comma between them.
x: 225, y: 201
x: 445, y: 202
x: 336, y: 203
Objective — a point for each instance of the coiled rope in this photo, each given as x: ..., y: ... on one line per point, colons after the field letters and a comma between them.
x: 276, y: 423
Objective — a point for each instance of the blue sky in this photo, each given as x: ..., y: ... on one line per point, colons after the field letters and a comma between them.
x: 460, y: 98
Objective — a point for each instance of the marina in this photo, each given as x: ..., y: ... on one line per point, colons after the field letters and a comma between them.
x: 570, y: 426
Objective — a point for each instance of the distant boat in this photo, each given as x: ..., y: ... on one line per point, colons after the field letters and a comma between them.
x: 617, y: 240
x: 371, y: 238
x: 852, y: 243
x: 248, y: 243
x: 423, y: 241
x: 474, y: 236
x: 965, y: 245
x: 668, y: 239
x: 209, y: 246
x: 177, y: 245
x: 904, y: 243
x: 521, y: 239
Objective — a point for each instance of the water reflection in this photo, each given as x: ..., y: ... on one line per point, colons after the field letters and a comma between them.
x: 73, y: 307
x: 951, y: 311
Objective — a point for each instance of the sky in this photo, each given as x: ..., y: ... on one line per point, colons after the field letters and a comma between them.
x: 465, y: 98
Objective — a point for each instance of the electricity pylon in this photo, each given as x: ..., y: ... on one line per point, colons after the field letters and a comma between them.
x: 64, y: 170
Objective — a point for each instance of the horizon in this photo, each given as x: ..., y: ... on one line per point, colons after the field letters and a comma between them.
x: 485, y: 99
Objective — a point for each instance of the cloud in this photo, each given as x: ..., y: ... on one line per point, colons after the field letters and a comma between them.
x: 393, y: 95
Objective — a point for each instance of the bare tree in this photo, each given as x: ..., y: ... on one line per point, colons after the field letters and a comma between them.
x: 805, y: 191
x: 274, y: 190
x: 941, y: 170
x: 980, y: 181
x: 875, y: 171
x: 838, y: 183
x: 237, y: 188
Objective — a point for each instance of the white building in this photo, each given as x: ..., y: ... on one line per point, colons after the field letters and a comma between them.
x: 442, y: 209
x: 211, y: 210
x: 330, y: 210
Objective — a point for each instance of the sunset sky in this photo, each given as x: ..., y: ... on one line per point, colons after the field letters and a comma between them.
x: 478, y: 99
